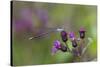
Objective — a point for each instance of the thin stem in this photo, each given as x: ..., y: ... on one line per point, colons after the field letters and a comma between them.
x: 81, y: 46
x: 68, y: 47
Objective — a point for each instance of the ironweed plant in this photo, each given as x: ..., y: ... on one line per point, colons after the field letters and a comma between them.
x: 78, y: 44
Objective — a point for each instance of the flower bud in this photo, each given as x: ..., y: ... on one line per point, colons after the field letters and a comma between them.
x: 74, y: 43
x: 64, y: 36
x: 82, y: 33
x: 72, y: 37
x: 63, y: 48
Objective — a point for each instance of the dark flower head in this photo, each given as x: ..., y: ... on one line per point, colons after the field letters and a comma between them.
x: 63, y: 48
x: 64, y: 36
x: 82, y: 33
x: 72, y: 36
x: 74, y: 43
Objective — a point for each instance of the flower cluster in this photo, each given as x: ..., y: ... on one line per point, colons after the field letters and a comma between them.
x: 65, y: 36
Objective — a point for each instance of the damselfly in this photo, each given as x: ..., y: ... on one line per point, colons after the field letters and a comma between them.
x: 47, y: 31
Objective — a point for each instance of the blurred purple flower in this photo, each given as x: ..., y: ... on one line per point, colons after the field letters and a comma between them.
x: 54, y: 50
x: 24, y: 23
x: 72, y: 36
x: 26, y: 14
x: 42, y: 15
x: 21, y: 25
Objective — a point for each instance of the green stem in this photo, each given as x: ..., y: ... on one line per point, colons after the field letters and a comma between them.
x: 68, y: 47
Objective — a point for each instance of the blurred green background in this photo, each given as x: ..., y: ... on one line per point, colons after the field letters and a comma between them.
x: 32, y: 18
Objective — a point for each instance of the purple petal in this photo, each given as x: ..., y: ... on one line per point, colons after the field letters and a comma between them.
x: 54, y: 50
x: 63, y: 33
x: 57, y: 44
x: 82, y: 29
x: 71, y: 35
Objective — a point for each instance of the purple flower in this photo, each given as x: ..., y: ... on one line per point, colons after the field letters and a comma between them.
x: 82, y: 33
x: 72, y: 36
x: 24, y: 22
x: 22, y: 25
x: 64, y: 36
x: 26, y: 14
x: 56, y: 47
x: 57, y: 44
x: 54, y: 50
x: 42, y: 14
